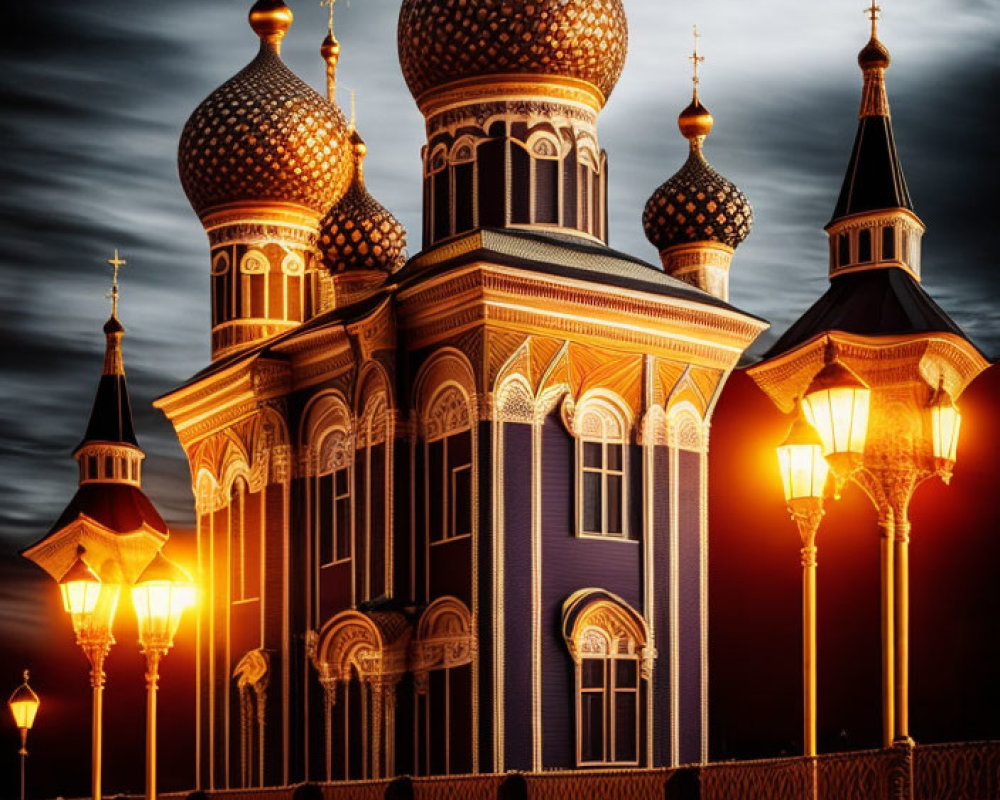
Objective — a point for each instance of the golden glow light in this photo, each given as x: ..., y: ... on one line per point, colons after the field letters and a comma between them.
x: 24, y: 705
x: 837, y: 403
x: 81, y: 589
x: 800, y: 458
x: 946, y: 421
x: 160, y: 596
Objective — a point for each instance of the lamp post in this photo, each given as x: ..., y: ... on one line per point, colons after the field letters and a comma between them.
x: 160, y: 595
x: 91, y: 604
x: 23, y: 705
x: 803, y: 473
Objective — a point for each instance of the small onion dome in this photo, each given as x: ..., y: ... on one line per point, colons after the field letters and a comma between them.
x: 697, y: 204
x: 443, y: 41
x: 265, y: 135
x: 359, y: 233
x: 874, y: 55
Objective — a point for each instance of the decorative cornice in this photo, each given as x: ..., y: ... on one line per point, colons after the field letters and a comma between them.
x: 511, y: 88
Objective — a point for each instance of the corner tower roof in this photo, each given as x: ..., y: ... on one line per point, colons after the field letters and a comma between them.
x: 874, y: 178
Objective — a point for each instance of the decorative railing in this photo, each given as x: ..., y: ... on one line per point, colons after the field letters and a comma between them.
x: 965, y: 771
x: 968, y: 771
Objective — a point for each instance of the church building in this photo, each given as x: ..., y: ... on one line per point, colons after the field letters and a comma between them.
x: 452, y: 508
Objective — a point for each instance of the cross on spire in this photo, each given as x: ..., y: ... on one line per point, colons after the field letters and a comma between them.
x: 695, y: 59
x: 330, y: 4
x: 116, y: 264
x: 872, y: 13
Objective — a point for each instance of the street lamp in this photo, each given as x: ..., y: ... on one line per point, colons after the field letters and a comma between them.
x: 837, y: 403
x: 803, y: 473
x: 91, y: 604
x: 160, y: 595
x: 24, y: 705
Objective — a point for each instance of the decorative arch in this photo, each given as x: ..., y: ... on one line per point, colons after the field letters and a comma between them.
x: 252, y: 676
x: 370, y: 651
x: 599, y: 413
x: 544, y: 144
x: 446, y: 637
x: 513, y: 400
x: 324, y: 433
x: 445, y: 394
x: 685, y: 428
x: 271, y: 451
x: 254, y: 262
x: 437, y: 159
x: 220, y: 264
x: 608, y: 643
x: 595, y: 610
x: 463, y: 150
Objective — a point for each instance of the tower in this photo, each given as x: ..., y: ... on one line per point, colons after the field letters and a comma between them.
x: 510, y: 93
x: 697, y: 218
x: 262, y: 159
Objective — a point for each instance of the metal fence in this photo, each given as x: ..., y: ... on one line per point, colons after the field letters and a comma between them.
x: 964, y: 771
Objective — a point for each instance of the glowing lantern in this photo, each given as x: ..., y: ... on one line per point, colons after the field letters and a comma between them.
x: 803, y: 468
x: 160, y: 596
x: 945, y: 424
x: 81, y: 589
x: 837, y: 404
x: 24, y: 705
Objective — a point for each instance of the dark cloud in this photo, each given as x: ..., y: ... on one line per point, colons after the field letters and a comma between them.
x: 95, y: 95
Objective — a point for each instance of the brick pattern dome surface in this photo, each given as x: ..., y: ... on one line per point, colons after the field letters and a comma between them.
x: 441, y: 41
x: 359, y: 233
x: 697, y: 205
x: 265, y: 135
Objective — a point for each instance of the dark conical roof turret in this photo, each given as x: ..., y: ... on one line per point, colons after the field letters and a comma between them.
x: 111, y: 414
x: 874, y: 179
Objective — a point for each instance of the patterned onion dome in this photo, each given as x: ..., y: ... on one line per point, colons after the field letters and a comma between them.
x: 441, y: 41
x: 359, y: 233
x: 697, y: 204
x: 264, y: 135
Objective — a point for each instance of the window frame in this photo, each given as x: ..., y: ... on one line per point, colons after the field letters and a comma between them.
x: 613, y: 433
x: 614, y: 651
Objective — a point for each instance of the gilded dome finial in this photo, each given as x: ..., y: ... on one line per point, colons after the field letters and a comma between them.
x: 695, y: 121
x: 330, y: 50
x: 270, y: 20
x: 874, y: 61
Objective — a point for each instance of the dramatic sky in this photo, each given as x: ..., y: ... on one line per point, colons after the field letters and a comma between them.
x: 94, y: 96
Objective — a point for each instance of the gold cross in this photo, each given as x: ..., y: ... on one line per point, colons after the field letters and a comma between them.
x: 353, y: 111
x: 872, y: 14
x: 696, y: 59
x: 116, y: 264
x: 331, y: 4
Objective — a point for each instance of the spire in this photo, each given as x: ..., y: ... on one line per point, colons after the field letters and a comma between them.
x: 695, y: 121
x: 111, y: 415
x: 874, y: 179
x: 330, y: 50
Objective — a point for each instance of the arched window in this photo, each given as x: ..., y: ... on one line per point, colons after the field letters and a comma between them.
x: 601, y: 466
x: 448, y: 454
x: 442, y: 656
x: 220, y: 288
x: 333, y: 497
x: 606, y: 639
x: 253, y: 285
x: 463, y: 172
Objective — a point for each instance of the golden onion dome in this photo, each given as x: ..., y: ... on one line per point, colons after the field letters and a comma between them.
x: 359, y: 233
x: 874, y: 55
x: 697, y: 204
x: 443, y: 41
x: 265, y: 135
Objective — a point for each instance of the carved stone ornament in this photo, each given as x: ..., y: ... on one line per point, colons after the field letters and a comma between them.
x: 449, y: 413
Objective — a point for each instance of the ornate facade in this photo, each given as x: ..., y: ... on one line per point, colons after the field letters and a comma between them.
x: 451, y: 509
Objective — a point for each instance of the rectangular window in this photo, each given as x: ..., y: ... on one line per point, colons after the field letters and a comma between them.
x: 843, y: 250
x: 602, y: 488
x: 609, y: 710
x: 864, y: 245
x: 888, y: 243
x: 333, y: 518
